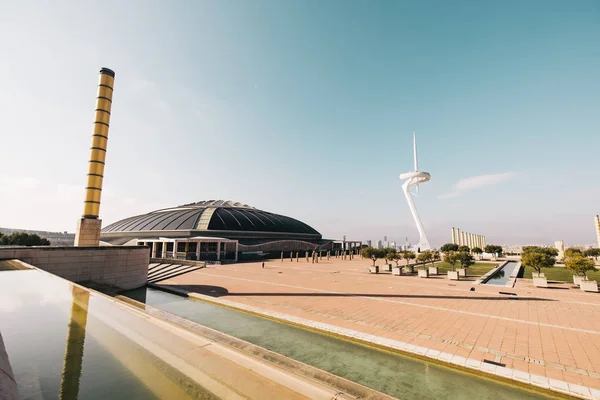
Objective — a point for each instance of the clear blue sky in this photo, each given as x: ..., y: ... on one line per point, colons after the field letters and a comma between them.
x: 306, y: 108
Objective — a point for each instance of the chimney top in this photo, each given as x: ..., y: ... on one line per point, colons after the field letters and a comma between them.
x: 107, y: 71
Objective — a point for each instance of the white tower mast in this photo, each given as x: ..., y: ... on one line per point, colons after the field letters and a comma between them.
x: 413, y: 179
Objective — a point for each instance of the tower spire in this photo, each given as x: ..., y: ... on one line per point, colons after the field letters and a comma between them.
x: 415, y: 151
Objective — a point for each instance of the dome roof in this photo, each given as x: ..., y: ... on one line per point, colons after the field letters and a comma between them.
x: 211, y: 215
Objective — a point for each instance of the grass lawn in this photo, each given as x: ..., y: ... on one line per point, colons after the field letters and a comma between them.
x: 476, y: 269
x: 560, y: 274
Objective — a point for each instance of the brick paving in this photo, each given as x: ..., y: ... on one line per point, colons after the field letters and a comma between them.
x: 547, y: 337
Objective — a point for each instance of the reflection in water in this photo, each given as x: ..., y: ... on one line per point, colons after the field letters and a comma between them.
x: 8, y: 385
x: 71, y: 374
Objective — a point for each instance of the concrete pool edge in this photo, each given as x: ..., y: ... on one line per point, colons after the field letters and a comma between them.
x: 296, y: 367
x: 512, y: 377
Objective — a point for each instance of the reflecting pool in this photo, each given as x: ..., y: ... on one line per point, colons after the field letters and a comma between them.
x: 502, y: 275
x: 62, y: 343
x: 391, y: 373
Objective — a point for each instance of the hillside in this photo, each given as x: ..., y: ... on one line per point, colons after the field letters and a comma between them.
x: 55, y: 238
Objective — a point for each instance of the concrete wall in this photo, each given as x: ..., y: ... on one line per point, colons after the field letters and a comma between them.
x: 125, y: 267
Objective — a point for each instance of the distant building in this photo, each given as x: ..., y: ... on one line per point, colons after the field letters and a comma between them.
x: 560, y: 246
x: 379, y: 244
x: 393, y: 245
x: 219, y: 229
x: 385, y: 239
x: 369, y: 243
x: 597, y: 223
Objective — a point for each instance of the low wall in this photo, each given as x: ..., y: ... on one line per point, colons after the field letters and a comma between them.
x: 125, y: 267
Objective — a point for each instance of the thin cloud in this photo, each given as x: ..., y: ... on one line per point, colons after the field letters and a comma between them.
x: 475, y: 182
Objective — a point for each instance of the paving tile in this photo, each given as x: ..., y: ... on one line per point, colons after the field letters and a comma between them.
x: 503, y: 372
x: 578, y: 390
x: 559, y: 386
x: 521, y: 376
x: 473, y: 363
x: 540, y: 381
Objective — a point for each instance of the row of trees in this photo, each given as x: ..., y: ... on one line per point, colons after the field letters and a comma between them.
x: 387, y: 254
x: 427, y: 256
x: 490, y: 248
x: 576, y: 261
x: 23, y: 239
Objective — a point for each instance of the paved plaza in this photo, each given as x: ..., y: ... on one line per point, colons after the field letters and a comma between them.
x: 545, y: 336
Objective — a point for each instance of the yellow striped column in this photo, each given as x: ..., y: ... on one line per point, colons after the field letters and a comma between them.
x: 93, y: 190
x: 88, y: 229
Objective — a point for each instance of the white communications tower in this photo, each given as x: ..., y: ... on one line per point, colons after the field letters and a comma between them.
x: 413, y: 178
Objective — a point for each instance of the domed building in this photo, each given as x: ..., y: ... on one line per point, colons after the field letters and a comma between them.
x: 216, y: 229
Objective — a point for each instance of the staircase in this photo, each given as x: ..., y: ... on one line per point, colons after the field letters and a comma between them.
x: 159, y: 271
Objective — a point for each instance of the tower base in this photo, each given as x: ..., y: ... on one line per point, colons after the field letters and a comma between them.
x: 88, y: 232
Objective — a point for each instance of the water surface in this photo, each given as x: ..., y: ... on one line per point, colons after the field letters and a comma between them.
x: 396, y: 375
x: 61, y: 343
x: 501, y: 276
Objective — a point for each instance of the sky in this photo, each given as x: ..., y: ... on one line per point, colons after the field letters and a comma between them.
x: 306, y: 109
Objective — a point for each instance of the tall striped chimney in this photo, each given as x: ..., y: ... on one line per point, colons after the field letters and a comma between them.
x: 453, y: 236
x: 89, y: 226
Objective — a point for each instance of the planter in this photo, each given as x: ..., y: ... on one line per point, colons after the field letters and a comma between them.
x: 589, y: 286
x: 578, y: 279
x: 540, y: 282
x: 408, y: 269
x: 397, y: 271
x: 433, y: 271
x: 537, y: 274
x: 453, y: 275
x: 374, y: 270
x: 423, y: 273
x: 462, y: 272
x: 387, y: 268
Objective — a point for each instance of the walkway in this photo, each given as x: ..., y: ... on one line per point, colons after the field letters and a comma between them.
x: 548, y: 336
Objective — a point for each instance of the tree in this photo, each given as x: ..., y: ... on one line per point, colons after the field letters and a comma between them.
x: 592, y: 253
x: 465, y: 259
x: 547, y: 250
x: 579, y: 264
x: 23, y: 239
x: 463, y: 249
x: 571, y: 252
x: 538, y: 257
x: 436, y: 257
x: 408, y: 255
x: 425, y: 256
x: 449, y: 247
x: 451, y: 257
x: 371, y: 253
x: 494, y: 249
x: 395, y: 257
x: 477, y: 250
x: 388, y: 251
